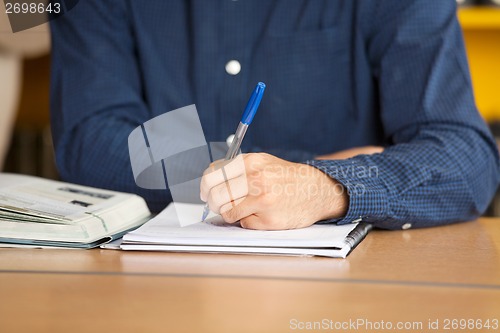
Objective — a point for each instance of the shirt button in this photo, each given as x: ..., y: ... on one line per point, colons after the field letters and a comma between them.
x: 233, y: 67
x: 230, y: 139
x: 406, y: 226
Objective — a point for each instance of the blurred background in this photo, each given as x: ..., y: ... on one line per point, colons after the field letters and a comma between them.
x: 25, y: 139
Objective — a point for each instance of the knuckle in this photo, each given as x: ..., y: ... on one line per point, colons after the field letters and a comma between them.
x: 252, y: 157
x: 204, y: 185
x: 247, y: 223
x: 213, y: 207
x: 215, y: 164
x: 213, y: 204
x: 265, y: 155
x: 206, y: 171
x: 207, y: 180
x: 222, y: 192
x: 218, y: 197
x: 215, y: 197
x: 229, y: 215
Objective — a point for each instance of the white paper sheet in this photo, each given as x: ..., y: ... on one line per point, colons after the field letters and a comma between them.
x: 165, y: 233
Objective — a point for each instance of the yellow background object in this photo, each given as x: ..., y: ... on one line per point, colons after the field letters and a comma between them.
x: 481, y: 27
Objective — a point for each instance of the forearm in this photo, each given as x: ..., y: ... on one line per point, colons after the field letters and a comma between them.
x: 445, y: 174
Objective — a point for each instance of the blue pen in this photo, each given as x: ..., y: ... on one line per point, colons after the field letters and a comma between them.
x: 246, y: 120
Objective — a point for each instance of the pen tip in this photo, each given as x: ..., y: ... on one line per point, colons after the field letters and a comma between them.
x: 204, y: 217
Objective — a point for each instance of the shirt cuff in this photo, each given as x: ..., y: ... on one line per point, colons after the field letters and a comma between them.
x: 368, y: 197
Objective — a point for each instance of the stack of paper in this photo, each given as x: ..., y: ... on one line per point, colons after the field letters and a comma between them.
x: 166, y: 233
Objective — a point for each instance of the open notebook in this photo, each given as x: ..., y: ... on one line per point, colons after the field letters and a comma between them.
x: 165, y: 233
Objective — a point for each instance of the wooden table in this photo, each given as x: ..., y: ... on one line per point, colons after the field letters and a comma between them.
x: 412, y: 278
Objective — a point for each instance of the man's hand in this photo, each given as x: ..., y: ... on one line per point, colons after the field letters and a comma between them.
x: 268, y: 193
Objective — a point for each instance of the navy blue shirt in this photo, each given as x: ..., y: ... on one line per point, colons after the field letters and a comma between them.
x: 340, y: 74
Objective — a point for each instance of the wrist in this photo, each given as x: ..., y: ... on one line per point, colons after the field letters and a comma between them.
x: 332, y: 198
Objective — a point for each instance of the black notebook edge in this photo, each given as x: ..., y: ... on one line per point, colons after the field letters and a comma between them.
x: 358, y: 234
